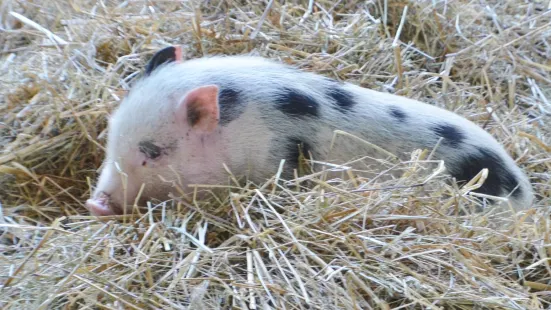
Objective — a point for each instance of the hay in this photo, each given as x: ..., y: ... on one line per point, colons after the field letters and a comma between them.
x: 407, y: 243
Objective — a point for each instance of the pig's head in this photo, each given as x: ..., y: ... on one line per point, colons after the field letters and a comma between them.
x: 154, y: 137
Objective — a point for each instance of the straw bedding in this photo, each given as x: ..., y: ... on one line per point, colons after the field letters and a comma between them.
x: 412, y: 242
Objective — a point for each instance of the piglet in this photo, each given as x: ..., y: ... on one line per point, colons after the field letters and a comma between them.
x: 182, y: 120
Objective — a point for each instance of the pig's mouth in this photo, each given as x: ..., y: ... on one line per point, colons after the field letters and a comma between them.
x: 101, y: 206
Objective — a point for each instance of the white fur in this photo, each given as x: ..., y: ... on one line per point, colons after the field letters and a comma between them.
x: 246, y: 144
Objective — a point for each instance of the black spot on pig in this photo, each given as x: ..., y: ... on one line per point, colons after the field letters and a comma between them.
x: 452, y: 135
x: 150, y: 150
x: 294, y: 148
x: 398, y: 114
x: 166, y: 55
x: 231, y: 104
x: 228, y: 96
x: 294, y: 103
x: 289, y: 148
x: 499, y: 178
x: 343, y: 99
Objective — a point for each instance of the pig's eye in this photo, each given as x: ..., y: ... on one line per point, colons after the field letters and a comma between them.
x: 144, y: 163
x: 150, y: 150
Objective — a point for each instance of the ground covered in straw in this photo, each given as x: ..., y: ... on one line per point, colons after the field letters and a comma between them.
x: 316, y: 244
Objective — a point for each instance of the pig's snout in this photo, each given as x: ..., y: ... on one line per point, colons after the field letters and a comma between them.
x: 101, y: 206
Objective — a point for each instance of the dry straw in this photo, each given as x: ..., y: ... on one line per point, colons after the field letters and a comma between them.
x: 413, y: 242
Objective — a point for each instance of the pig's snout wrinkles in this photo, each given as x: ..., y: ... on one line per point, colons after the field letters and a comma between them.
x: 100, y: 205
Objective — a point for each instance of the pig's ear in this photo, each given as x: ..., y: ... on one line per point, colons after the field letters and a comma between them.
x: 199, y: 108
x: 166, y: 55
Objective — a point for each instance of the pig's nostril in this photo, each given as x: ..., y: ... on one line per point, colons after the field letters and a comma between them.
x: 98, y: 207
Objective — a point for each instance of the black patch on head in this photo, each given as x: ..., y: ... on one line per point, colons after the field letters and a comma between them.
x: 499, y: 178
x: 398, y: 114
x: 294, y: 103
x: 230, y: 102
x: 342, y: 98
x: 166, y: 55
x: 228, y: 96
x: 150, y: 150
x: 293, y: 148
x: 452, y: 135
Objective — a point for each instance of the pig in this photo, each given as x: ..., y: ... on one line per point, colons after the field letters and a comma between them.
x: 183, y: 120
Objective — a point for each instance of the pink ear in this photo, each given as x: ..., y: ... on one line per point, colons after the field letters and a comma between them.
x: 199, y: 108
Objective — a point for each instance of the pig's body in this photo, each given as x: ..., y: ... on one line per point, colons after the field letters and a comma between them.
x: 264, y: 110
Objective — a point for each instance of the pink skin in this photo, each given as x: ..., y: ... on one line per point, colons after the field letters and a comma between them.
x: 108, y: 198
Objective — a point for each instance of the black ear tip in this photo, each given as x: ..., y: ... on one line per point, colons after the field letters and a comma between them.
x: 165, y: 55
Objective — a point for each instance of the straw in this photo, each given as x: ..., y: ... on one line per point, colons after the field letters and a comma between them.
x: 409, y: 238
